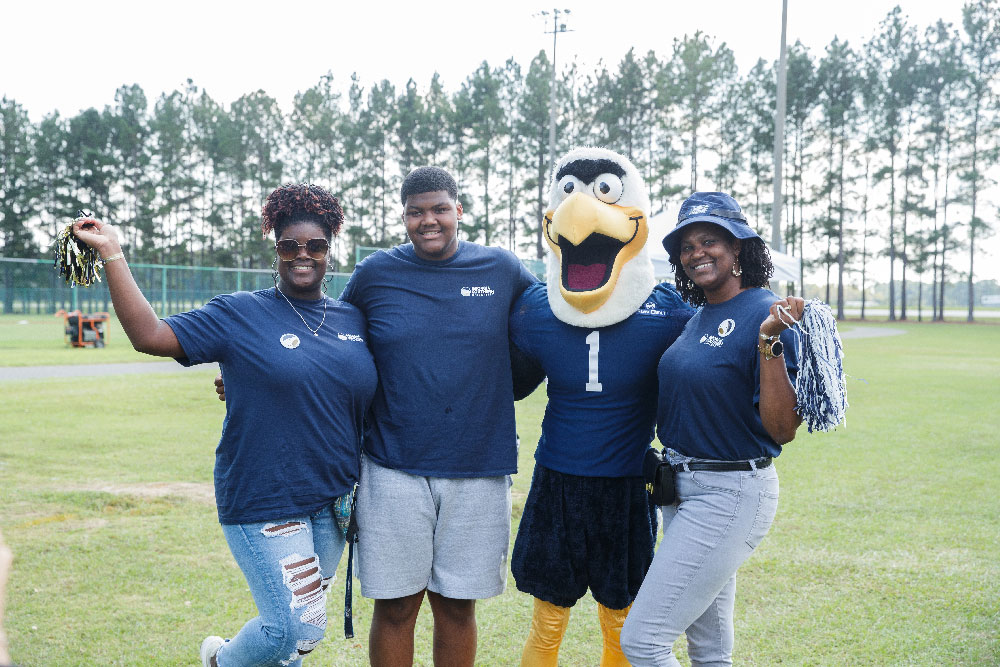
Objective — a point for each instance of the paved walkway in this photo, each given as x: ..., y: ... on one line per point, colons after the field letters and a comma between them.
x: 953, y: 314
x: 871, y: 332
x: 85, y: 370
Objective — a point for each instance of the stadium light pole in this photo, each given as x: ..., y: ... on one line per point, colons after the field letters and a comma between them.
x: 557, y: 28
x: 779, y: 137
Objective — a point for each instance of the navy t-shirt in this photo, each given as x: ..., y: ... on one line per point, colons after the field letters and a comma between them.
x: 710, y: 382
x: 601, y: 382
x: 295, y: 402
x: 438, y: 330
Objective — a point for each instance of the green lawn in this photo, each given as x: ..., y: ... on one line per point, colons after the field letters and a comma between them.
x: 38, y: 340
x: 885, y: 551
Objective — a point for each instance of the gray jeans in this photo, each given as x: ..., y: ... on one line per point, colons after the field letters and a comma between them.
x: 717, y: 522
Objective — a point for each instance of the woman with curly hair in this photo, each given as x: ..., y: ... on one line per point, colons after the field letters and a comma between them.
x: 298, y: 379
x: 726, y: 405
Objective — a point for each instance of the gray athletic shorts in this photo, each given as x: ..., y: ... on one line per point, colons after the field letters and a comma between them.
x: 448, y: 535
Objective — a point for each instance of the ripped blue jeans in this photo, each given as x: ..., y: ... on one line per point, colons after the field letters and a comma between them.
x: 288, y: 564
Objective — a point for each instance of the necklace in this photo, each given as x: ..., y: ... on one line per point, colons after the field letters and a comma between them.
x: 314, y: 332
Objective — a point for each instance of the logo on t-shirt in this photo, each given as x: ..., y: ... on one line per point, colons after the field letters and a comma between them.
x: 649, y: 308
x: 726, y: 327
x: 289, y: 340
x: 352, y: 337
x: 485, y: 290
x: 713, y: 341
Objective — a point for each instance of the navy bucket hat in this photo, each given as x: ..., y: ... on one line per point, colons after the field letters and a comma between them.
x: 717, y: 208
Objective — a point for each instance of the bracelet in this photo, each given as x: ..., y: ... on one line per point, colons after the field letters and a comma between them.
x: 120, y: 255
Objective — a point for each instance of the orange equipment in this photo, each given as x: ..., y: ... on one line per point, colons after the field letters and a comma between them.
x: 83, y: 330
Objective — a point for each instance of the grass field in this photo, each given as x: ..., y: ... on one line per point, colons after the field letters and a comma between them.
x: 38, y: 340
x: 885, y: 550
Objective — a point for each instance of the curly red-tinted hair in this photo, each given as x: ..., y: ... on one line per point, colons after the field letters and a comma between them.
x: 295, y: 202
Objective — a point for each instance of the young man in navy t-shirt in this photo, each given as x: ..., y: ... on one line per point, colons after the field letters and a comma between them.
x: 433, y: 503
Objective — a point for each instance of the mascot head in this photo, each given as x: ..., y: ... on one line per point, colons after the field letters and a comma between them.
x: 597, y: 225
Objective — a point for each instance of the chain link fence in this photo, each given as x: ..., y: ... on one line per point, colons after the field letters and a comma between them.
x: 34, y: 286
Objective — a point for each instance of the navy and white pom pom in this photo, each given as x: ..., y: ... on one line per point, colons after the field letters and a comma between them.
x: 820, y: 388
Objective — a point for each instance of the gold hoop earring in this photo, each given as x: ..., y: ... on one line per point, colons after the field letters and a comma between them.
x: 736, y: 270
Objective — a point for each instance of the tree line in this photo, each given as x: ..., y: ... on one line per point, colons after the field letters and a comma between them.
x: 888, y: 152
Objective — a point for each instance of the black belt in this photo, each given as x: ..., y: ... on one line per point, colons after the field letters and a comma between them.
x: 724, y: 466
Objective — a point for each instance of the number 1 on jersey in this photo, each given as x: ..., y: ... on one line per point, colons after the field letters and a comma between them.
x: 594, y: 342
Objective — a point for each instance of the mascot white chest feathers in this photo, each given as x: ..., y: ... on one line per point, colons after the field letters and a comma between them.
x: 599, y: 271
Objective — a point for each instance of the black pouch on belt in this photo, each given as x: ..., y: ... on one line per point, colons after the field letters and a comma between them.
x: 659, y: 478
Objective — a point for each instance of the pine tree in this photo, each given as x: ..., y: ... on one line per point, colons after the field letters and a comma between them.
x: 702, y: 78
x: 513, y: 167
x: 216, y: 140
x: 759, y: 91
x: 19, y: 194
x: 51, y: 175
x: 311, y: 125
x: 891, y: 55
x: 259, y: 129
x: 942, y: 71
x: 800, y: 102
x: 434, y: 132
x: 130, y: 150
x: 981, y: 22
x: 533, y: 130
x: 410, y: 115
x: 838, y: 81
x: 485, y: 122
x: 90, y: 165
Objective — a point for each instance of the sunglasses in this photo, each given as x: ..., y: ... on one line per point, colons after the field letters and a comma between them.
x: 288, y: 249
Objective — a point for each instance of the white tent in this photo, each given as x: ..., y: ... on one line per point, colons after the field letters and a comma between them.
x: 786, y: 267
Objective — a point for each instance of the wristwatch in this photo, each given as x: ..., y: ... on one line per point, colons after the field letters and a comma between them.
x: 770, y: 347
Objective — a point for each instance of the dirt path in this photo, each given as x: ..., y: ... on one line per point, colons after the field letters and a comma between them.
x: 202, y: 492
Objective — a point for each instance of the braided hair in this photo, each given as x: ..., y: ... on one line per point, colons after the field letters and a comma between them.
x: 296, y: 202
x: 754, y: 259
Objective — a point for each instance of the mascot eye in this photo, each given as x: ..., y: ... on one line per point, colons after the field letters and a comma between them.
x: 568, y: 185
x: 608, y: 188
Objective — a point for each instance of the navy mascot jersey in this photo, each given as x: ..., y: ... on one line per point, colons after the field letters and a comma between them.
x: 438, y: 331
x: 601, y: 382
x: 710, y: 381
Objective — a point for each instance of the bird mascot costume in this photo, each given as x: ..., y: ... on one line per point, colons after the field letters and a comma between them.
x: 596, y: 330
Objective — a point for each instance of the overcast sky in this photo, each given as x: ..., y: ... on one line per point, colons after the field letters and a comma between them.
x: 73, y: 55
x: 68, y: 56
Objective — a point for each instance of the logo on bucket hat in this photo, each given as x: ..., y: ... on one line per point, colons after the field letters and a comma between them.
x: 717, y: 208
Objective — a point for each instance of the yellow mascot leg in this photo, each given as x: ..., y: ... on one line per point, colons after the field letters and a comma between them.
x: 612, y: 621
x: 548, y: 625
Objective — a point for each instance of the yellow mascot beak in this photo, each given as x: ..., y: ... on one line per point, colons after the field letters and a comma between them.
x: 593, y: 240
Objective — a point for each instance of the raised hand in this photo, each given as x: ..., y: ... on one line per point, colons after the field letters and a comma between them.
x: 783, y: 314
x: 100, y: 236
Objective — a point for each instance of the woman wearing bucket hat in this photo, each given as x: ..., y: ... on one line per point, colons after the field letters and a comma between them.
x: 726, y: 406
